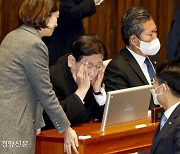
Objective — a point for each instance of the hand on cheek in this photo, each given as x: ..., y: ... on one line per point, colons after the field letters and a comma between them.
x: 97, y: 82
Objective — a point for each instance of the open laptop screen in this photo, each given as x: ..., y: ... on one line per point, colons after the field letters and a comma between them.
x: 126, y: 105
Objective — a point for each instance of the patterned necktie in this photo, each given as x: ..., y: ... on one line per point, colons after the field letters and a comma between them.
x: 149, y: 68
x: 163, y: 121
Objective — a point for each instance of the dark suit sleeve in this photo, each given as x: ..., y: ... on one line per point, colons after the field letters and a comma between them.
x: 70, y: 102
x: 78, y: 11
x: 177, y: 52
x: 173, y: 38
x: 177, y: 138
x: 73, y: 107
x: 65, y: 87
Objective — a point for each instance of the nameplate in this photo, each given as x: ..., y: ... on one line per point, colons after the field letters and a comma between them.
x: 156, y: 114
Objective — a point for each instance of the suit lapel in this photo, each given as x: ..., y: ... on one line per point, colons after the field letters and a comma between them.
x: 155, y: 61
x: 135, y: 66
x: 170, y: 122
x: 138, y: 71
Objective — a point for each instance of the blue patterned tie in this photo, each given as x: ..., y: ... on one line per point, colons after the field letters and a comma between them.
x: 149, y: 68
x: 163, y: 121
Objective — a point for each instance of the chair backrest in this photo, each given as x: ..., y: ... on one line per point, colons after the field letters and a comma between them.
x: 106, y: 62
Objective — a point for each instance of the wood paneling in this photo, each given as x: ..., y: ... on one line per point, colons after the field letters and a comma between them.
x: 9, y: 19
x: 161, y: 10
x: 106, y: 22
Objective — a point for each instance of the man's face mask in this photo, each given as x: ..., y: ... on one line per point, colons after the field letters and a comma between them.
x: 154, y: 95
x: 149, y: 48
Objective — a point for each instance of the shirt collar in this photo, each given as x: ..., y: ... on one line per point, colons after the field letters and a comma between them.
x: 170, y: 110
x: 140, y: 59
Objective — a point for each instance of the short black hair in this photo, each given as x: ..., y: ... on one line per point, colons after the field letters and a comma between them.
x: 87, y: 45
x: 169, y: 73
x: 132, y: 22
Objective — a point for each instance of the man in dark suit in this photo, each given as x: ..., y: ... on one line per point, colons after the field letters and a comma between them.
x: 167, y: 93
x: 70, y: 26
x: 173, y: 38
x: 77, y: 81
x: 129, y: 69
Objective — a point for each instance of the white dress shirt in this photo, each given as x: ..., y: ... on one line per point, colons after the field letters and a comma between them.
x: 140, y: 60
x: 170, y: 110
x: 101, y: 99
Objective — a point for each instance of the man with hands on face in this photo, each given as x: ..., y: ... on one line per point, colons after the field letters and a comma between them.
x: 77, y: 81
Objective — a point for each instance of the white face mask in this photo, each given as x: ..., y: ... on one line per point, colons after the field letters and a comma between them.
x: 149, y: 48
x: 154, y: 95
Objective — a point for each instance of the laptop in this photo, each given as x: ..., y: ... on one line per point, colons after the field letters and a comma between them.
x: 126, y: 105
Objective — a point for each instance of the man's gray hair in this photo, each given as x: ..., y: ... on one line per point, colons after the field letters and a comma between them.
x: 132, y: 22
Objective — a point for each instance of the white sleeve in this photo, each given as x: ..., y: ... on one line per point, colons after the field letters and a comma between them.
x: 101, y: 99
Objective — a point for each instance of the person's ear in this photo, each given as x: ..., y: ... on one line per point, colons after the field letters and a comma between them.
x: 71, y: 61
x: 165, y: 88
x: 133, y: 40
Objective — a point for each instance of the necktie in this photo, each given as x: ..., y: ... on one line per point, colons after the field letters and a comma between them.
x: 163, y: 121
x: 149, y: 68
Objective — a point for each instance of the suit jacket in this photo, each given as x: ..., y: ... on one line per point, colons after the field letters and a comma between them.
x: 25, y: 89
x: 65, y: 87
x: 173, y: 38
x: 123, y: 71
x: 167, y: 140
x: 70, y: 26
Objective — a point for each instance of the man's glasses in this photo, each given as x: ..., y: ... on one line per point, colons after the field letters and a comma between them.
x: 90, y: 65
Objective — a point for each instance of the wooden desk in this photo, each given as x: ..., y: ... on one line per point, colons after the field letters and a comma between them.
x: 122, y: 138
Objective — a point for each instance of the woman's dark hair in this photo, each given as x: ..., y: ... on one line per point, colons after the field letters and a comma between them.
x: 35, y: 13
x: 169, y: 73
x: 87, y: 45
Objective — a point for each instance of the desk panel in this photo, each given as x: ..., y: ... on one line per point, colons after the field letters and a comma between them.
x: 122, y: 138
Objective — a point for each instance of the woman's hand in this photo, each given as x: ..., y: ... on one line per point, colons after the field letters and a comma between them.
x: 70, y: 140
